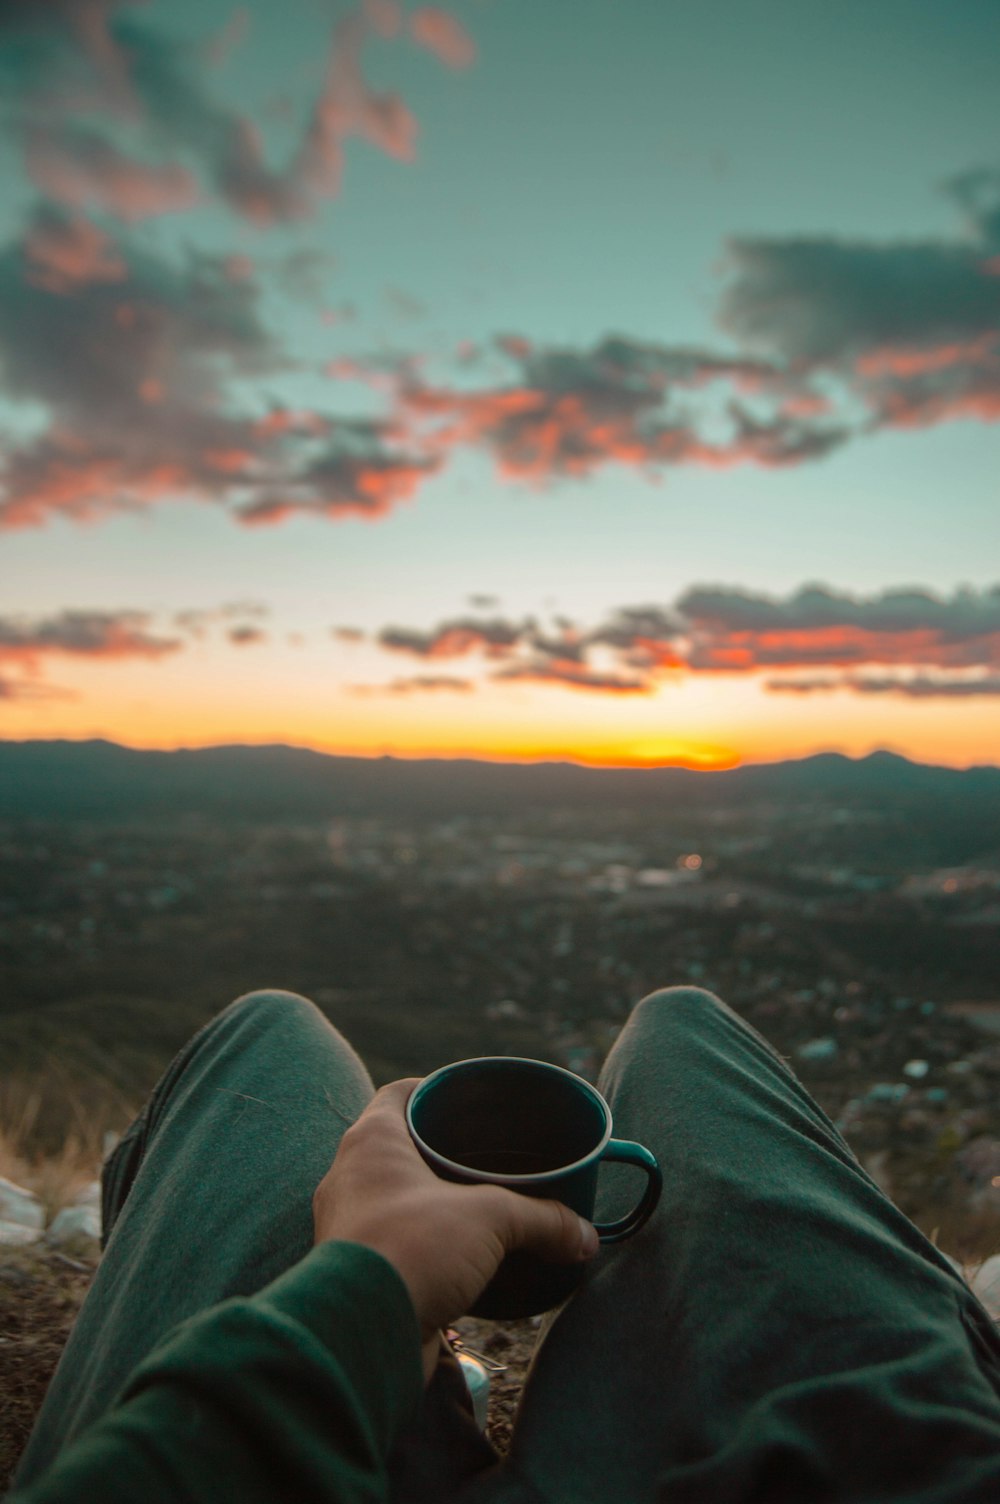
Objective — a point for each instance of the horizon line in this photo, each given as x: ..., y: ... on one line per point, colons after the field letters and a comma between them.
x: 560, y: 759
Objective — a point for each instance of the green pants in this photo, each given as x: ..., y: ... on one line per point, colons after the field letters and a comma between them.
x: 777, y: 1332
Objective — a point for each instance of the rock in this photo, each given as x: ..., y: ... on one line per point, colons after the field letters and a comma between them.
x: 20, y: 1207
x: 16, y: 1235
x: 75, y: 1224
x: 916, y: 1069
x: 89, y: 1196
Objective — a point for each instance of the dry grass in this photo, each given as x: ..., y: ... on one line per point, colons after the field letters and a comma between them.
x: 58, y: 1176
x: 40, y: 1290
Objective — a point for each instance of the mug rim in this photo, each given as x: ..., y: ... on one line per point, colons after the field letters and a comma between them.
x: 487, y: 1177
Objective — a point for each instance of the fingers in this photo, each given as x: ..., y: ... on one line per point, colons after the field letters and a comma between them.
x: 397, y: 1093
x: 389, y: 1103
x: 546, y: 1228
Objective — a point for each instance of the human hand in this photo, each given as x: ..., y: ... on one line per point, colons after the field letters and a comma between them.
x: 445, y: 1240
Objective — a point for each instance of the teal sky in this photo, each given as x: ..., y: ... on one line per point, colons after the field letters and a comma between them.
x: 782, y: 183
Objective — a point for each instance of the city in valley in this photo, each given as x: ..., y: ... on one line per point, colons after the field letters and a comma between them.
x: 860, y: 938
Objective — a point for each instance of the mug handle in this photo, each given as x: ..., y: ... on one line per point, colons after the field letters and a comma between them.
x: 627, y: 1153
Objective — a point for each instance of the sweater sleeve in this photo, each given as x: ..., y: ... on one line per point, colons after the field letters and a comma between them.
x: 295, y: 1393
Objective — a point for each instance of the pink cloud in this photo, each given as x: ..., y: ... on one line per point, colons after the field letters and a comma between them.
x: 343, y: 485
x: 889, y: 360
x: 349, y: 107
x: 89, y: 634
x: 82, y: 170
x: 441, y: 34
x: 68, y: 252
x: 909, y: 642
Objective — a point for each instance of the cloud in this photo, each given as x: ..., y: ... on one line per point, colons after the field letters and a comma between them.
x: 908, y: 641
x: 911, y: 328
x: 824, y: 301
x: 736, y: 631
x: 30, y: 644
x: 197, y: 621
x: 349, y: 478
x: 432, y: 682
x: 443, y: 35
x: 571, y: 412
x: 67, y: 251
x: 131, y: 355
x: 88, y: 634
x: 457, y: 637
x: 574, y: 676
x: 245, y: 635
x: 81, y: 168
x: 95, y: 57
x: 916, y: 687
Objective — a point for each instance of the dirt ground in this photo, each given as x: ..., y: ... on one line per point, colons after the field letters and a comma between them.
x: 40, y: 1294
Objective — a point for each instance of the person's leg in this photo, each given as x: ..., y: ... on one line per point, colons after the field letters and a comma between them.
x: 209, y: 1193
x: 778, y: 1330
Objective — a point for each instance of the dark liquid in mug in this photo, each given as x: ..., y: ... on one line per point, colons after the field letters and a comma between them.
x: 506, y: 1161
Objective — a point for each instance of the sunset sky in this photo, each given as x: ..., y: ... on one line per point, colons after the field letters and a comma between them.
x: 611, y: 381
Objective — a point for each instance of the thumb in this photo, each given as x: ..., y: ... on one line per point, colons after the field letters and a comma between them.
x: 546, y: 1228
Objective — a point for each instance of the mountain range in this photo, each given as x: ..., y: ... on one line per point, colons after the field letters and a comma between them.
x: 102, y: 780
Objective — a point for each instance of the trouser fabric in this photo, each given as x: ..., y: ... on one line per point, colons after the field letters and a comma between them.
x: 777, y: 1331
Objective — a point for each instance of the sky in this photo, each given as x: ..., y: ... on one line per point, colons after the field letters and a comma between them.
x: 618, y: 383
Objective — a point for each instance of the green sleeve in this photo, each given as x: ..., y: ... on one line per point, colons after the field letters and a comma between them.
x: 296, y: 1393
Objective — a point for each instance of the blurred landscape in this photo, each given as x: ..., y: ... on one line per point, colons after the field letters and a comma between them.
x: 436, y: 910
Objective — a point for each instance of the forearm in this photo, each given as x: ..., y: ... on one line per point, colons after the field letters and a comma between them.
x: 297, y: 1392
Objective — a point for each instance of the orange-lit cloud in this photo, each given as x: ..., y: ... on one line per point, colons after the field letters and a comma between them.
x: 340, y: 484
x: 443, y: 35
x: 128, y: 70
x: 65, y: 252
x: 572, y: 675
x: 416, y: 684
x: 715, y: 630
x: 911, y: 329
x: 90, y: 634
x: 130, y: 355
x: 736, y: 631
x: 81, y: 169
x: 574, y: 411
x: 30, y: 644
x: 911, y: 686
x: 455, y: 638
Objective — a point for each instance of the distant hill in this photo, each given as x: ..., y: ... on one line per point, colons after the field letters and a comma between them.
x: 101, y: 780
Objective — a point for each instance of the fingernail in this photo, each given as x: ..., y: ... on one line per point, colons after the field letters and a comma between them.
x: 589, y: 1241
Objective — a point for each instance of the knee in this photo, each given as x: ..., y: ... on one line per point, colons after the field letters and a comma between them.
x: 679, y: 1004
x: 679, y: 997
x: 269, y: 1005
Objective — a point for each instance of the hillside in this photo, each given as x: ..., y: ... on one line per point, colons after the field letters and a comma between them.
x: 99, y: 779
